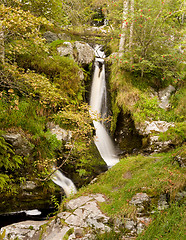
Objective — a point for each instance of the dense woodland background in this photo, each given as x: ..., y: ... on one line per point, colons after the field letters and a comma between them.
x: 144, y: 42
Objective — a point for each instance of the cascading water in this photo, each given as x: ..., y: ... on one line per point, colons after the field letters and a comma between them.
x: 65, y: 183
x: 98, y: 104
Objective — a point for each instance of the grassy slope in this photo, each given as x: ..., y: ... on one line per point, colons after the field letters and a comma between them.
x: 154, y: 174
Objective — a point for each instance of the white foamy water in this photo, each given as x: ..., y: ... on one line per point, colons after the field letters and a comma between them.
x: 98, y: 104
x: 65, y: 183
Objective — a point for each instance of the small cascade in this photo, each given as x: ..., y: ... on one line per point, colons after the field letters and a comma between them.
x: 65, y: 183
x: 98, y: 104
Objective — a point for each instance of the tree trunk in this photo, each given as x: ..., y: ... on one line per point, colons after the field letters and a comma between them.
x: 123, y: 28
x: 131, y: 30
x: 2, y: 48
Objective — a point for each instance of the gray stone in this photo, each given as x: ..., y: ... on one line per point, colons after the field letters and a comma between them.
x: 162, y: 202
x: 50, y: 36
x: 139, y: 199
x: 84, y: 216
x: 75, y: 203
x: 21, y: 145
x: 64, y: 215
x: 22, y: 230
x: 61, y: 134
x: 157, y: 126
x: 28, y: 185
x: 78, y: 232
x: 130, y: 225
x: 180, y: 196
x: 56, y: 234
x: 98, y: 197
x: 76, y: 221
x: 66, y: 50
x: 84, y: 53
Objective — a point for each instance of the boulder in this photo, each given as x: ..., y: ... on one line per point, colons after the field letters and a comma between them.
x: 50, y: 36
x: 150, y: 129
x: 153, y: 127
x: 61, y: 134
x: 66, y: 50
x: 83, y: 53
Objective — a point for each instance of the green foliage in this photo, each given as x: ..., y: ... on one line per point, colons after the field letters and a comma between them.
x: 168, y: 224
x: 21, y: 30
x: 176, y: 134
x: 8, y: 159
x: 62, y: 71
x: 152, y: 36
x: 147, y: 108
x: 24, y: 113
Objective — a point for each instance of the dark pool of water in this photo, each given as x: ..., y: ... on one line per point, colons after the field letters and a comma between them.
x: 14, y: 217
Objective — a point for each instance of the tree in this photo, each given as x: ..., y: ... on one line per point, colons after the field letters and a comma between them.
x: 151, y: 36
x: 123, y: 27
x: 2, y: 51
x: 20, y: 31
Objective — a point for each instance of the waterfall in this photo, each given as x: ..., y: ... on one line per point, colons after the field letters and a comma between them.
x: 65, y: 183
x: 98, y: 106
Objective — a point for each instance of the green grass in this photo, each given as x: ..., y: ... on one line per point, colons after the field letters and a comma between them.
x: 168, y: 225
x: 155, y: 174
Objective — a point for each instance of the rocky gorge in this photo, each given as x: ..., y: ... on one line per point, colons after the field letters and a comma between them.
x: 92, y: 141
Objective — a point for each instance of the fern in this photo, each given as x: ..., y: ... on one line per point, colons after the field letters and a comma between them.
x: 8, y: 159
